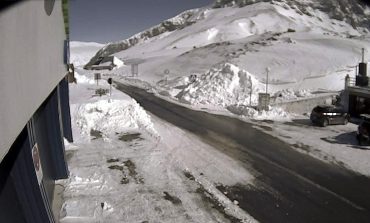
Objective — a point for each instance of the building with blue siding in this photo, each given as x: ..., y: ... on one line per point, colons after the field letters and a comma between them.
x: 34, y: 107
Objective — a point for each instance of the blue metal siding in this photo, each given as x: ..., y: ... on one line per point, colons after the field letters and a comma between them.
x: 19, y: 178
x: 49, y: 137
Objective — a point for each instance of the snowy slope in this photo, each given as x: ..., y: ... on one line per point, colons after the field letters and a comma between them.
x: 308, y: 45
x: 81, y: 52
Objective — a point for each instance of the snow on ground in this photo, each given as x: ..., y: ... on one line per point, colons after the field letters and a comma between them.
x: 223, y: 89
x: 127, y: 166
x: 246, y: 112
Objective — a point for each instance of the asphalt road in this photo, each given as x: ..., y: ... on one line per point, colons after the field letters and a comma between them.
x: 289, y: 186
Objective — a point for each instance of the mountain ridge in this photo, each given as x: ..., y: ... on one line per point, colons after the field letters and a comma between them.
x: 180, y: 21
x: 355, y: 13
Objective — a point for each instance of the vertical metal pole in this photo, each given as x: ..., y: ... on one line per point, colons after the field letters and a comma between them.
x: 363, y: 55
x: 250, y: 96
x: 267, y: 80
x: 347, y: 80
x: 267, y: 85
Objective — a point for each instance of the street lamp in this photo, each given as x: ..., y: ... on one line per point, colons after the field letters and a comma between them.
x: 267, y: 78
x: 267, y: 99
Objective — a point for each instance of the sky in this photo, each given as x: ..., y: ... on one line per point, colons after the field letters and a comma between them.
x: 105, y: 21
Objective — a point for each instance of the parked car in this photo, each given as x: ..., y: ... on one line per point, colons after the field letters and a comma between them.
x: 324, y: 115
x: 363, y: 130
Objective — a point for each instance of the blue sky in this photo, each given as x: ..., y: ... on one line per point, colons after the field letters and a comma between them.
x: 112, y: 20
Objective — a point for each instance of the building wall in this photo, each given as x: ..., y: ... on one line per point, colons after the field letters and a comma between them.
x: 306, y: 105
x: 31, y: 63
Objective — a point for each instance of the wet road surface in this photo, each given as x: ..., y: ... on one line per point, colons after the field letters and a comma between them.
x: 289, y: 186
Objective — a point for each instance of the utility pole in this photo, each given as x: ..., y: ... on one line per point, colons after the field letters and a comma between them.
x: 267, y: 101
x: 250, y: 96
x: 267, y: 79
x: 363, y: 55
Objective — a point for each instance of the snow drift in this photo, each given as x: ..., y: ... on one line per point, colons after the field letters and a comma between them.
x: 111, y: 117
x: 223, y: 85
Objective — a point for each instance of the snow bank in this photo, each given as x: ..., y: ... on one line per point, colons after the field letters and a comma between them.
x: 290, y: 94
x: 108, y: 114
x: 226, y: 86
x: 223, y: 85
x: 83, y: 79
x: 274, y: 113
x: 111, y: 117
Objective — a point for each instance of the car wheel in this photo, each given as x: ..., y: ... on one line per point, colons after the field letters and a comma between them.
x: 325, y: 123
x: 360, y: 140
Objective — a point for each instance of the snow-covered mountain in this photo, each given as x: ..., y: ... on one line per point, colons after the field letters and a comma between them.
x: 306, y: 44
x: 179, y: 22
x: 81, y: 52
x: 352, y: 12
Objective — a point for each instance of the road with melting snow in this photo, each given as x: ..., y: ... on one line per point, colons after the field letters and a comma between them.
x: 289, y: 186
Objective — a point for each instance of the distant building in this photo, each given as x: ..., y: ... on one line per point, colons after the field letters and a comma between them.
x: 107, y: 63
x: 357, y: 94
x: 34, y: 107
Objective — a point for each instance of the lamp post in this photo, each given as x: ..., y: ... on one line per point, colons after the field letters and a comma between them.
x: 250, y: 96
x: 267, y: 85
x: 267, y: 79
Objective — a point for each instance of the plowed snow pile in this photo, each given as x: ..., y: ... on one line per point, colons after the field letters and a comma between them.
x: 223, y: 85
x: 112, y: 116
x: 106, y: 115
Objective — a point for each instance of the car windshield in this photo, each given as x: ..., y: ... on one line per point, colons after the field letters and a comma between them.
x: 338, y: 110
x: 320, y: 109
